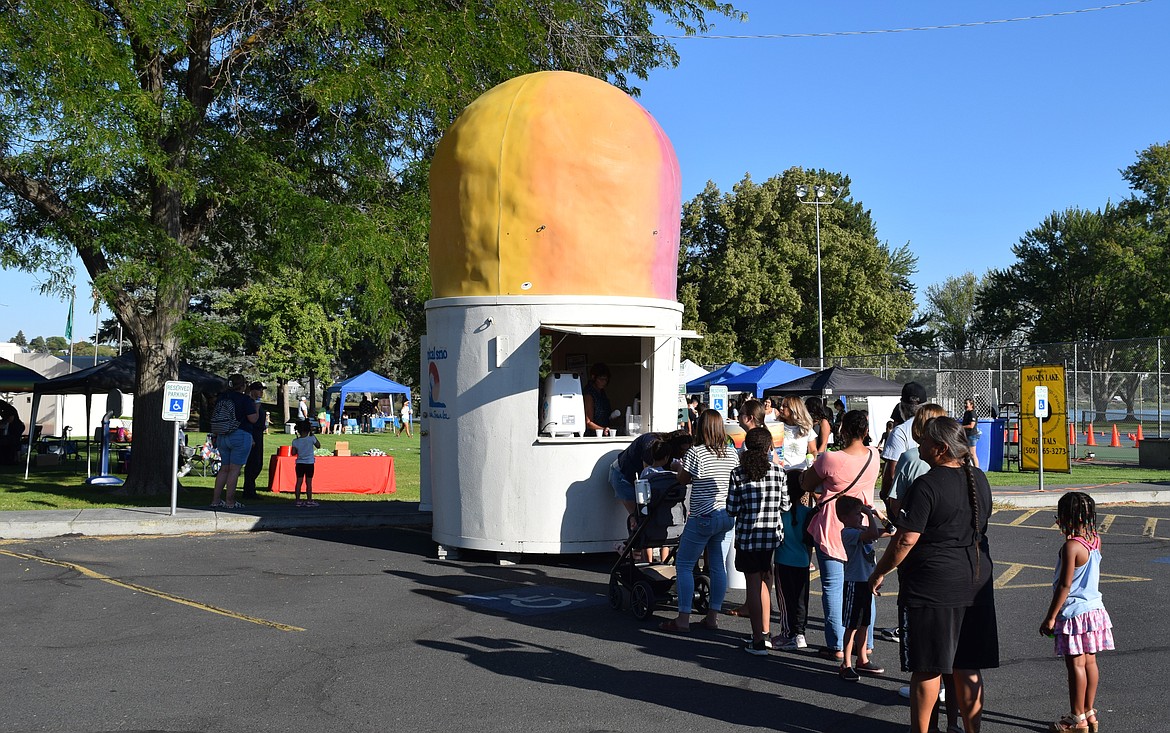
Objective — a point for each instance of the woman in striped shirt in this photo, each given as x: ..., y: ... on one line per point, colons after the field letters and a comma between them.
x: 708, y: 468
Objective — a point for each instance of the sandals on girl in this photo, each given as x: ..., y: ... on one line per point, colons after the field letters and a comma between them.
x: 1091, y: 719
x: 1069, y: 721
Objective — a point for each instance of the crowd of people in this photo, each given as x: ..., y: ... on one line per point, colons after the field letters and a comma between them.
x: 780, y: 502
x: 238, y: 425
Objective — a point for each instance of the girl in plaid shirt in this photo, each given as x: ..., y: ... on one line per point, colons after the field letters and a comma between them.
x: 756, y: 497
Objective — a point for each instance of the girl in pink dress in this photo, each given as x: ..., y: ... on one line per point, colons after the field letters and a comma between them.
x: 1077, y: 618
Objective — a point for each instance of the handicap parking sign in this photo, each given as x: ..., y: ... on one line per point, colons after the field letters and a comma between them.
x: 177, y: 401
x: 718, y: 396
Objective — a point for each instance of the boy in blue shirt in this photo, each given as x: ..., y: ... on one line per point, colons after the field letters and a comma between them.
x: 863, y: 525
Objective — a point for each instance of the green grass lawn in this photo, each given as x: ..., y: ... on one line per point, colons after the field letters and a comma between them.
x: 1082, y: 474
x: 63, y: 487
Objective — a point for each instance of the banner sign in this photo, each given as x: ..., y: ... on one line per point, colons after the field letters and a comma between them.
x: 1044, y: 403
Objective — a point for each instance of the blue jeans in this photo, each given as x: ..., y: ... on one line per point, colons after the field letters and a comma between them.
x: 623, y: 490
x: 711, y: 532
x: 234, y: 447
x: 832, y: 596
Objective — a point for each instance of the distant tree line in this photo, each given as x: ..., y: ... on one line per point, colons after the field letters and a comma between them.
x: 59, y: 346
x: 1090, y: 276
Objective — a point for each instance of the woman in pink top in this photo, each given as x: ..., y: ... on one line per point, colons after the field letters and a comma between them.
x: 853, y: 470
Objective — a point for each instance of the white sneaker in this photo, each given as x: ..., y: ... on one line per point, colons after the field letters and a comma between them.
x: 800, y: 641
x: 905, y: 692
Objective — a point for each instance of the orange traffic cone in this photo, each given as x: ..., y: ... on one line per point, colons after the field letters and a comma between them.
x: 1139, y: 437
x: 1072, y: 434
x: 1090, y: 438
x: 1115, y: 440
x: 1015, y: 436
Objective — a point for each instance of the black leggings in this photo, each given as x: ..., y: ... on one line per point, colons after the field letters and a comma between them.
x: 792, y: 585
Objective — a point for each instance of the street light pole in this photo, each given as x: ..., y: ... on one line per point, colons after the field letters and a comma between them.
x: 818, y: 200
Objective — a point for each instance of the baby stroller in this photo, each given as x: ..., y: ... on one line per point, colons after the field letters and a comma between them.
x: 660, y: 519
x: 207, y: 457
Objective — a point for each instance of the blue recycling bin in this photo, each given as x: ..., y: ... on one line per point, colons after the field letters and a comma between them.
x: 990, y: 445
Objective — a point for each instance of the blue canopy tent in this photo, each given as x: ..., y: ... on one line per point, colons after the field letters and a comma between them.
x: 701, y: 384
x: 762, y: 377
x: 367, y: 381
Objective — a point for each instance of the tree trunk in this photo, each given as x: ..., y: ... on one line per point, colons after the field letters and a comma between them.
x: 152, y: 462
x: 282, y: 403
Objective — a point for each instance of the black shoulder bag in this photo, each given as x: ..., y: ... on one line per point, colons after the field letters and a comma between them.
x: 805, y: 535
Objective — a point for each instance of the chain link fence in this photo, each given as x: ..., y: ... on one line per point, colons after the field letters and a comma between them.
x: 1119, y: 382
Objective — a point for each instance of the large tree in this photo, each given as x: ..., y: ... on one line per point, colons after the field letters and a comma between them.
x: 1079, y: 276
x: 748, y: 273
x: 174, y: 145
x: 949, y: 321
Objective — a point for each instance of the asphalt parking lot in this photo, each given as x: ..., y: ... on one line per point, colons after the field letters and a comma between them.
x: 367, y: 631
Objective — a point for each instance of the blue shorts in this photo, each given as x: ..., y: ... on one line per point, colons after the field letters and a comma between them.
x: 622, y: 488
x: 234, y: 447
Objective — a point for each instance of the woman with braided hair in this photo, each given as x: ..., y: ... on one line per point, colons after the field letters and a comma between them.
x: 946, y: 602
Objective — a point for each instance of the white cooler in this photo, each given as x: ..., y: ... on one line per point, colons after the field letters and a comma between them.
x: 562, y: 408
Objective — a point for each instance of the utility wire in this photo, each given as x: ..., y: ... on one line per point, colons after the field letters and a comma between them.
x: 832, y: 34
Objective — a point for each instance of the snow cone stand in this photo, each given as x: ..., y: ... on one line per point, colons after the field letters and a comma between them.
x: 555, y: 208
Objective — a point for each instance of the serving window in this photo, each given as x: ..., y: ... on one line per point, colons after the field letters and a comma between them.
x: 633, y: 355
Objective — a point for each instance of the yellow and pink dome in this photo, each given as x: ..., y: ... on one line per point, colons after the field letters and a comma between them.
x: 555, y: 183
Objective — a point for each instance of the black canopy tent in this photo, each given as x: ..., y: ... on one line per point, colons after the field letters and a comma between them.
x: 119, y: 373
x: 842, y: 382
x: 17, y: 378
x: 838, y: 381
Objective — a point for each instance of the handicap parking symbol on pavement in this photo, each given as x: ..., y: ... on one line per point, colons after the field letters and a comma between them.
x: 533, y: 600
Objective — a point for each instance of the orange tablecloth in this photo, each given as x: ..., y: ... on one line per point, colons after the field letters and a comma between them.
x: 336, y: 474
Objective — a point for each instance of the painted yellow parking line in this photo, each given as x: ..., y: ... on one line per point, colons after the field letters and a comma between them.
x: 1105, y: 525
x: 1005, y: 578
x: 1008, y: 575
x: 1024, y: 517
x: 151, y: 591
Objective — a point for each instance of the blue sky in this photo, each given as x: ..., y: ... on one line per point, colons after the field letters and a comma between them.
x: 958, y: 140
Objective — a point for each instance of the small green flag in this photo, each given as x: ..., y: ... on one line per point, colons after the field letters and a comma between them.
x: 69, y: 323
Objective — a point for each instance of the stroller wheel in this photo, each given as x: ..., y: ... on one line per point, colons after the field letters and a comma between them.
x: 617, y: 594
x: 643, y: 601
x: 702, y: 600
